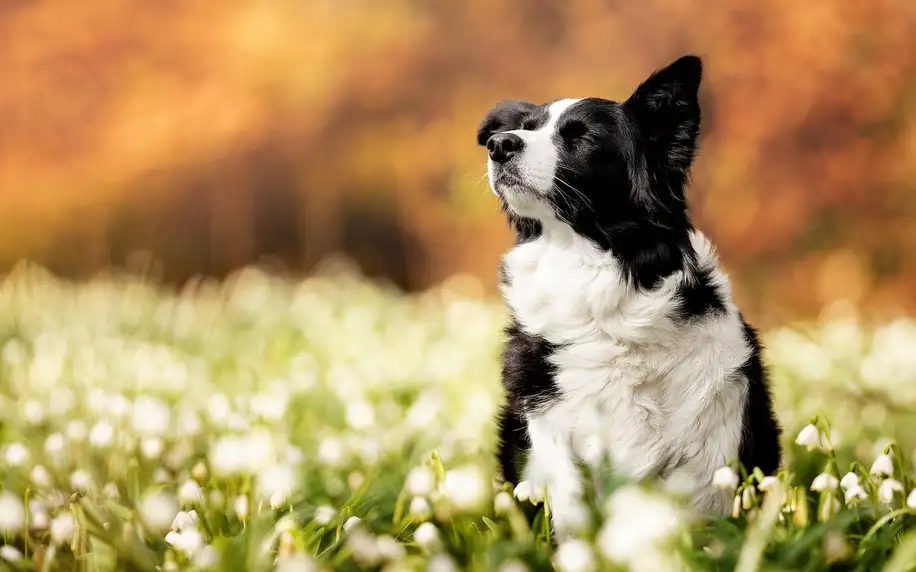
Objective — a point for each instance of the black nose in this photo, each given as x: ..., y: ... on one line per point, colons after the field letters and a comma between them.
x: 503, y: 146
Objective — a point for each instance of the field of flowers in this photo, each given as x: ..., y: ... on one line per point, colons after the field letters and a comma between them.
x: 260, y: 424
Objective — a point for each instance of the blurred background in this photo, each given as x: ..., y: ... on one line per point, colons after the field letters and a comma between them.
x: 213, y: 135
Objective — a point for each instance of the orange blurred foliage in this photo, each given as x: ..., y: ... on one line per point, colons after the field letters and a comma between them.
x: 213, y: 134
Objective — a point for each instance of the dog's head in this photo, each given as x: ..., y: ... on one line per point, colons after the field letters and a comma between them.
x: 597, y: 164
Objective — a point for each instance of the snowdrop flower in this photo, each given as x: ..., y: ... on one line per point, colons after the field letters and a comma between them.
x: 725, y: 478
x: 207, y: 557
x: 101, y: 435
x: 502, y: 503
x: 227, y: 456
x: 80, y: 480
x: 10, y: 553
x: 849, y: 480
x: 240, y: 506
x: 513, y: 565
x: 295, y: 563
x: 150, y: 416
x: 887, y: 489
x: 15, y: 454
x: 158, y: 510
x: 40, y: 476
x: 190, y: 493
x: 525, y: 491
x: 768, y: 483
x: 324, y: 515
x: 63, y: 528
x: 824, y: 482
x: 199, y: 471
x: 883, y: 466
x: 364, y: 547
x: 184, y: 520
x: 638, y: 524
x: 389, y: 548
x: 33, y: 412
x: 574, y: 556
x: 421, y: 481
x: 419, y: 509
x: 286, y: 524
x: 188, y: 541
x: 12, y: 513
x: 911, y: 499
x: 38, y: 516
x: 151, y: 447
x: 278, y: 499
x: 441, y: 563
x: 76, y: 430
x: 855, y: 493
x: 276, y: 481
x: 351, y: 523
x: 427, y: 536
x: 331, y: 452
x: 466, y: 487
x: 809, y: 437
x: 54, y: 445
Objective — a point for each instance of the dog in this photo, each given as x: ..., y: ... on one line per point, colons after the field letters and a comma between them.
x: 624, y: 342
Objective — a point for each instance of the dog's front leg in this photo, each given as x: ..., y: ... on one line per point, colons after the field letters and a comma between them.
x: 551, y: 465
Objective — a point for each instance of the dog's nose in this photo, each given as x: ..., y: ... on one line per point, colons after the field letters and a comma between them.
x: 502, y: 146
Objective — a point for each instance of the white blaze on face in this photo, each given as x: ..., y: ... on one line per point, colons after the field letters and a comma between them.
x: 536, y: 164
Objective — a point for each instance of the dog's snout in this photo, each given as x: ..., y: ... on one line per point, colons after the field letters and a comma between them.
x: 502, y: 146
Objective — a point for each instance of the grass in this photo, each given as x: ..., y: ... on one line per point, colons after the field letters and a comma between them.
x: 334, y: 424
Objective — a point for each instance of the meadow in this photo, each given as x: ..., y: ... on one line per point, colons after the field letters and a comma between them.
x: 262, y: 423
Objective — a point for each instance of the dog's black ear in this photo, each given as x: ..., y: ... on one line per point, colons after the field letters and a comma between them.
x: 666, y: 110
x: 505, y: 116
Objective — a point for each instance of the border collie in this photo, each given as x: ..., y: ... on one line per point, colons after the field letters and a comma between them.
x: 624, y: 344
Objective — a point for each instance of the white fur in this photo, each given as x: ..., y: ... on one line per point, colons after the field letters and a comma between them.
x: 648, y: 391
x: 536, y: 164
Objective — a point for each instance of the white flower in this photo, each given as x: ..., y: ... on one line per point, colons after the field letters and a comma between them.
x: 389, y: 548
x: 525, y: 491
x: 295, y: 563
x: 110, y: 490
x: 158, y: 510
x: 278, y: 499
x: 199, y: 471
x: 427, y: 536
x: 441, y: 562
x: 184, y: 520
x: 207, y: 557
x: 421, y: 481
x: 725, y: 478
x: 151, y: 447
x: 574, y: 556
x: 849, y: 480
x: 419, y: 509
x: 911, y: 499
x: 824, y: 482
x: 351, y: 523
x: 188, y: 541
x: 809, y: 437
x: 10, y: 553
x: 502, y: 503
x: 38, y: 515
x: 33, y: 412
x: 101, y: 434
x: 855, y: 493
x: 331, y: 452
x: 15, y: 454
x: 324, y: 515
x: 883, y: 466
x: 364, y: 547
x: 150, y: 416
x: 63, y: 528
x: 768, y: 483
x: 190, y: 493
x: 638, y: 523
x: 12, y: 513
x: 240, y: 506
x: 40, y: 476
x: 80, y: 480
x: 466, y: 487
x: 76, y: 430
x: 887, y: 489
x: 360, y: 415
x: 54, y: 444
x: 277, y: 481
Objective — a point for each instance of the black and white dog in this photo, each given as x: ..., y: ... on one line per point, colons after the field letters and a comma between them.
x: 625, y: 343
